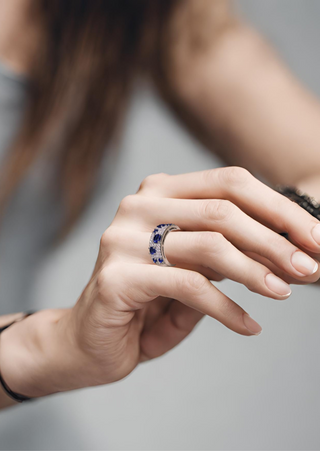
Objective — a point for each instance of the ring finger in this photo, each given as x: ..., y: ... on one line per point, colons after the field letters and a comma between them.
x: 237, y: 227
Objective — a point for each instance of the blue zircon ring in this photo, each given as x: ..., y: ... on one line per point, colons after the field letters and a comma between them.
x: 156, y: 243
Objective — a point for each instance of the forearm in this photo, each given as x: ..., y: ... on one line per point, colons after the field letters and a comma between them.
x: 269, y: 121
x: 253, y: 111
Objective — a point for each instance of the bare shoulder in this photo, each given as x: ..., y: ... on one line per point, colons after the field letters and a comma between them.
x: 18, y: 34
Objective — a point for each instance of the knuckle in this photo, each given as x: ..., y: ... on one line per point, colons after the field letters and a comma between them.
x: 279, y: 250
x: 128, y: 204
x: 234, y: 176
x: 102, y: 283
x: 218, y: 210
x: 210, y: 175
x: 288, y: 210
x: 297, y: 210
x: 110, y: 237
x: 281, y: 203
x: 194, y: 282
x: 230, y: 310
x: 211, y: 241
x: 106, y: 280
x: 152, y: 181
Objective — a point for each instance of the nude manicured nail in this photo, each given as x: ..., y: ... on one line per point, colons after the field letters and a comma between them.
x: 303, y: 263
x: 250, y: 324
x: 277, y: 285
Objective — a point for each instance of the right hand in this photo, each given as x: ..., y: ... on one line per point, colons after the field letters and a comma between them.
x: 132, y: 310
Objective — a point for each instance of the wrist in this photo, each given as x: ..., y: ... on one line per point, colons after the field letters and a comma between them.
x: 39, y: 355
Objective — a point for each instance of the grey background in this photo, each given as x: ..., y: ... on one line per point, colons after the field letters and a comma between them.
x: 217, y: 390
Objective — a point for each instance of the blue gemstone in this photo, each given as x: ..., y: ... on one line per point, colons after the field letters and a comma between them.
x: 152, y: 250
x: 159, y: 226
x: 160, y: 260
x: 155, y: 260
x: 155, y: 230
x: 157, y: 238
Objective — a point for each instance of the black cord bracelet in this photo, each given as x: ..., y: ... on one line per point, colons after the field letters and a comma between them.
x: 15, y: 396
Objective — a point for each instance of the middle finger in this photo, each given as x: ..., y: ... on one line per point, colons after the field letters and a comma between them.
x: 236, y: 226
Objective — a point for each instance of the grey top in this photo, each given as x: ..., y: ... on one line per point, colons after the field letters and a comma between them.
x: 32, y: 216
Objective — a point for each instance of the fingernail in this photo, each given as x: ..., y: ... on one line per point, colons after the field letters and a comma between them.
x: 316, y: 234
x: 250, y: 324
x: 277, y: 285
x: 303, y: 263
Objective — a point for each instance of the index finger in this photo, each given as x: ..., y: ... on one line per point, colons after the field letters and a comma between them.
x: 261, y: 202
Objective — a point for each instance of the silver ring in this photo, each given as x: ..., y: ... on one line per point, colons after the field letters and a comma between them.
x: 156, y: 243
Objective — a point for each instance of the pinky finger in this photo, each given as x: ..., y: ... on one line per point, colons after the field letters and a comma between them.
x: 192, y: 289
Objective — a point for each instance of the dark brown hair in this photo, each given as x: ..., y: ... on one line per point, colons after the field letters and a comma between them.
x: 86, y: 62
x: 89, y: 54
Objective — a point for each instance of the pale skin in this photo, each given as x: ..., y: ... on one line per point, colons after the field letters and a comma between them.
x: 132, y: 310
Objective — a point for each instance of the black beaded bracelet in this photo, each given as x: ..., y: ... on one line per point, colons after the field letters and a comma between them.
x: 305, y: 201
x: 15, y: 396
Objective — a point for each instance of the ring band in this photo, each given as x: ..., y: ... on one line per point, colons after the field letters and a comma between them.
x: 156, y: 243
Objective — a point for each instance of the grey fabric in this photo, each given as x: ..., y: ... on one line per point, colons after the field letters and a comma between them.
x: 32, y: 216
x: 13, y: 90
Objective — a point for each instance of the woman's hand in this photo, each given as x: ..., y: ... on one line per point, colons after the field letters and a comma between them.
x: 133, y: 310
